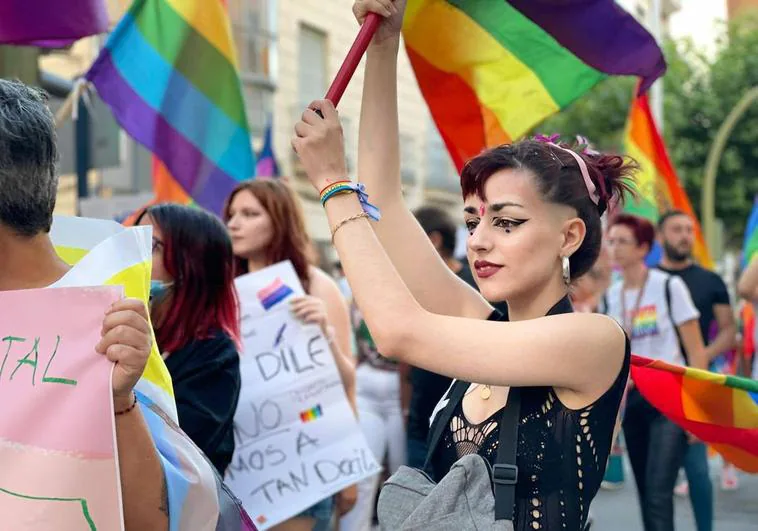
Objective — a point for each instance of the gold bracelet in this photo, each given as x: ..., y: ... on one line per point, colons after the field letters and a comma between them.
x: 347, y: 220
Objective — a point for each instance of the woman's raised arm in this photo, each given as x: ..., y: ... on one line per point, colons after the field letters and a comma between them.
x: 432, y: 283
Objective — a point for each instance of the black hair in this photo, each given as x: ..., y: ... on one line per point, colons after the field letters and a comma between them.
x: 433, y: 219
x: 559, y: 180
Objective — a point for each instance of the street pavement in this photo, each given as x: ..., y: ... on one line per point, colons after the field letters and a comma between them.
x: 734, y: 511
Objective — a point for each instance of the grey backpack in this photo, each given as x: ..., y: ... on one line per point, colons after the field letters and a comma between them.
x: 472, y: 495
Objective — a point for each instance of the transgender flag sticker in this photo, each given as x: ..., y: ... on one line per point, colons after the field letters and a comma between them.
x: 274, y: 293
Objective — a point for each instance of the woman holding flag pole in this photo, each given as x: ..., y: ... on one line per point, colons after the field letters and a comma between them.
x: 533, y: 211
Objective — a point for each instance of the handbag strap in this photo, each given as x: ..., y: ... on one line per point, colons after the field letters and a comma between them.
x: 505, y: 470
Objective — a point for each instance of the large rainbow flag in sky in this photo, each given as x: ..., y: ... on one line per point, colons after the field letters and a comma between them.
x: 658, y: 186
x: 169, y: 74
x: 718, y: 409
x: 491, y: 70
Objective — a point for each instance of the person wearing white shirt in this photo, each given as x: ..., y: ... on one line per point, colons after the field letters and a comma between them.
x: 658, y: 314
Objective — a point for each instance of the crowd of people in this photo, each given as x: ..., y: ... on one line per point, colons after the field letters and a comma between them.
x: 432, y: 350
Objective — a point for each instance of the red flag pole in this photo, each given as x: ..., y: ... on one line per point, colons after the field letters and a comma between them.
x: 353, y: 58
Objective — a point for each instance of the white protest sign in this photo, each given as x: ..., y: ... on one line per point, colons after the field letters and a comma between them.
x: 296, y: 437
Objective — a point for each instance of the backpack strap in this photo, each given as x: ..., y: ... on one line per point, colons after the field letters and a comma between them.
x: 505, y: 470
x: 453, y: 396
x: 671, y: 316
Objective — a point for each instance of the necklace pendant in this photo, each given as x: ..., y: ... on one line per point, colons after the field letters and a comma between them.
x: 486, y: 392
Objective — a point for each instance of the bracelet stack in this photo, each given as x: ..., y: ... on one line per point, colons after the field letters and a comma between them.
x: 348, y: 187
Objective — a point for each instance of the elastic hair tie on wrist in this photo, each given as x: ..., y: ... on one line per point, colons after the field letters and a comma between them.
x: 345, y: 187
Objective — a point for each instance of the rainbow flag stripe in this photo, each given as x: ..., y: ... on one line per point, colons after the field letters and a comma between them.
x: 169, y: 73
x: 718, y: 409
x: 311, y: 414
x: 658, y: 186
x: 750, y: 242
x: 274, y: 293
x: 491, y: 70
x: 37, y: 23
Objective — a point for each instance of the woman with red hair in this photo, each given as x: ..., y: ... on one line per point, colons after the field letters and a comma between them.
x: 266, y: 227
x: 658, y: 314
x: 193, y: 268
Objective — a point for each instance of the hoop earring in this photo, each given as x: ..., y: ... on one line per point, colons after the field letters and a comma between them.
x: 566, y: 265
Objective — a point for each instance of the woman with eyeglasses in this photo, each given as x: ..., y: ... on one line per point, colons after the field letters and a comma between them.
x: 195, y: 315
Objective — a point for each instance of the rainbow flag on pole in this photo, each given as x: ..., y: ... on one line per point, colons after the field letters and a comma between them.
x: 718, y: 409
x: 490, y: 70
x: 169, y: 74
x: 658, y: 186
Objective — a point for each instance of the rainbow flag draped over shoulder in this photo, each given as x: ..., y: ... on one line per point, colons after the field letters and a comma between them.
x: 490, y: 70
x: 105, y: 253
x: 169, y: 74
x: 718, y: 409
x: 658, y: 186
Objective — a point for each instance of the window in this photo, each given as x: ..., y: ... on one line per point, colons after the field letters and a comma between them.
x: 312, y: 75
x: 253, y: 27
x: 442, y: 173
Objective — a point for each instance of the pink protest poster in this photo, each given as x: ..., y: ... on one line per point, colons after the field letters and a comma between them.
x: 58, y: 458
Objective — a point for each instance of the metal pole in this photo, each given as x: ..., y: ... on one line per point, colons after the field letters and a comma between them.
x: 82, y: 150
x: 708, y: 199
x: 655, y: 15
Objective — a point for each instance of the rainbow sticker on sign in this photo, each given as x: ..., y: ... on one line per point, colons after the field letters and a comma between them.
x: 274, y: 293
x: 311, y: 414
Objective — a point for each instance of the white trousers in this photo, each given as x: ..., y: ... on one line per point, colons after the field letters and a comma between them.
x: 381, y: 418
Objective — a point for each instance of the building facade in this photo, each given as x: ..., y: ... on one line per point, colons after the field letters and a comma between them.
x: 288, y: 52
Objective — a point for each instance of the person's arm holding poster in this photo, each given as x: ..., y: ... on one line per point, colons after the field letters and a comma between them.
x: 127, y: 341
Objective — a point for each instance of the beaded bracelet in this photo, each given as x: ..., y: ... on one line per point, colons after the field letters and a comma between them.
x: 127, y: 410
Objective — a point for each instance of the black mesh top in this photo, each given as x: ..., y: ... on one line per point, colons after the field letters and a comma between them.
x: 562, y: 453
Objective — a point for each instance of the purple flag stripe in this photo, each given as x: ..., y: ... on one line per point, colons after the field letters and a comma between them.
x: 601, y: 34
x: 49, y: 23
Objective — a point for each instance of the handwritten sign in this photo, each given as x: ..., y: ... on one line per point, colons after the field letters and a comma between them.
x: 57, y: 432
x: 296, y: 438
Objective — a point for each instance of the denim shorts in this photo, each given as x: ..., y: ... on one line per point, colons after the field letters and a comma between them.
x: 321, y: 511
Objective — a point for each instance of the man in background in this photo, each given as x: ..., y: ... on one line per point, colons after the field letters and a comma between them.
x: 676, y: 233
x: 421, y: 390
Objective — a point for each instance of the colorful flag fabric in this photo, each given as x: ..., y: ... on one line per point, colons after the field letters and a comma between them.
x: 750, y: 239
x: 491, y: 70
x: 267, y: 165
x: 658, y: 186
x: 718, y: 409
x: 105, y: 253
x: 169, y: 74
x: 39, y: 23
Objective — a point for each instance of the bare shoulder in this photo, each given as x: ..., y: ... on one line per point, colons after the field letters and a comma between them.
x: 323, y: 286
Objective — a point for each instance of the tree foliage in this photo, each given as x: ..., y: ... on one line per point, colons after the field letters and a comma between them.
x: 699, y: 92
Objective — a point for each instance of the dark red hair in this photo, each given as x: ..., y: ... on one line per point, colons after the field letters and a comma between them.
x: 290, y: 240
x: 198, y: 255
x: 642, y: 229
x: 559, y: 180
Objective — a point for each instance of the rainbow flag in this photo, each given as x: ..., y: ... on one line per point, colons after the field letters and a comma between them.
x: 750, y: 239
x: 658, y: 186
x: 311, y: 414
x: 169, y: 74
x: 718, y: 409
x: 491, y: 70
x: 38, y: 23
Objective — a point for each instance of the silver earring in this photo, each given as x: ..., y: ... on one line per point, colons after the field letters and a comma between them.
x: 566, y: 265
